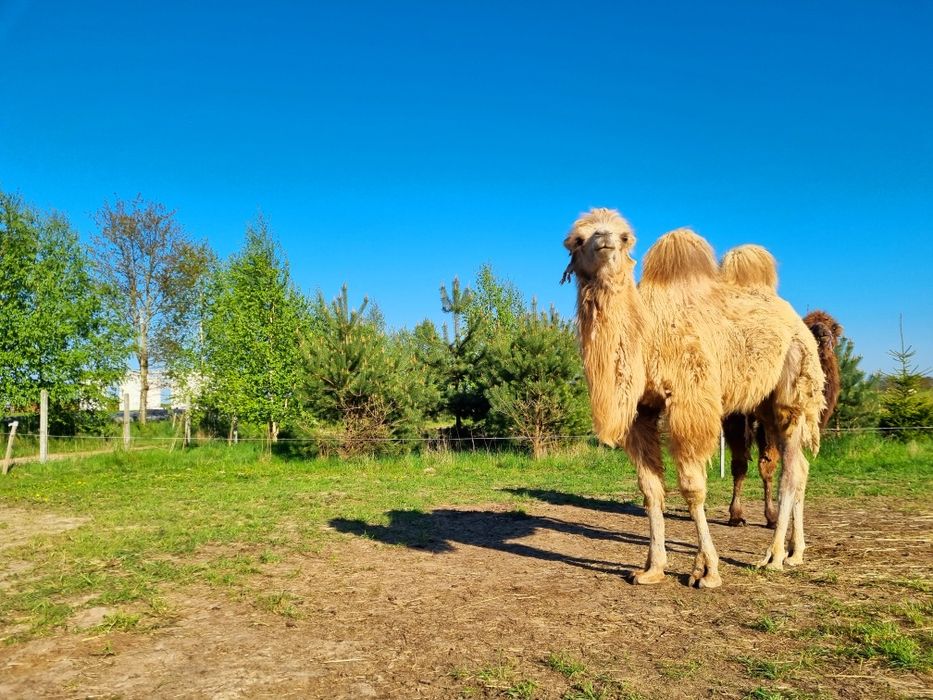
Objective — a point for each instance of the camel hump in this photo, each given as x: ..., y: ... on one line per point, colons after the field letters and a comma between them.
x: 749, y: 266
x: 678, y: 256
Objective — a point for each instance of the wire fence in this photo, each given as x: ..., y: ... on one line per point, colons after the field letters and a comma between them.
x: 329, y: 437
x: 477, y: 441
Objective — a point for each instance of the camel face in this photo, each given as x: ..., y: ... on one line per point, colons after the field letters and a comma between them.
x: 599, y: 244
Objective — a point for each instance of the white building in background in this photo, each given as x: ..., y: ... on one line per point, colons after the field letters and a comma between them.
x: 158, y: 387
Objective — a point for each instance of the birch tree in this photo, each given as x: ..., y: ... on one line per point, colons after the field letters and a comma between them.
x: 153, y: 268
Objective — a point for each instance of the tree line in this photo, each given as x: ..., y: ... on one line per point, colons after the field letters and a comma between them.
x: 246, y: 350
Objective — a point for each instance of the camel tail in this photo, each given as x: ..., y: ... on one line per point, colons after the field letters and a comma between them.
x: 800, y: 391
x: 679, y: 256
x: 749, y: 266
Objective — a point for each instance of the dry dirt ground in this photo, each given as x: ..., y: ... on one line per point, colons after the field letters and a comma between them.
x: 474, y: 602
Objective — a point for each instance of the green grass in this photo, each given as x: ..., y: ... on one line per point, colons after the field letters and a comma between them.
x: 896, y: 636
x: 766, y: 668
x: 564, y: 665
x: 887, y: 642
x: 217, y: 514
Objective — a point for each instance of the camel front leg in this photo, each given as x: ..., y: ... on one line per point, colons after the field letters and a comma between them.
x: 692, y: 478
x: 643, y: 445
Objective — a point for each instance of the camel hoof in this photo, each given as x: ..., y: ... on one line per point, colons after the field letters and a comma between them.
x: 737, y: 522
x: 709, y: 581
x: 771, y: 562
x: 794, y: 559
x: 771, y: 525
x: 703, y: 578
x: 648, y: 577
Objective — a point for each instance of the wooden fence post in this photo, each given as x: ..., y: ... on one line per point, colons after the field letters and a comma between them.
x: 43, y: 426
x: 9, y: 447
x: 126, y: 421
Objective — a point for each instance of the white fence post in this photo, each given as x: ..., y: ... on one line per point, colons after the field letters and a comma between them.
x: 43, y: 426
x: 126, y: 421
x: 722, y: 455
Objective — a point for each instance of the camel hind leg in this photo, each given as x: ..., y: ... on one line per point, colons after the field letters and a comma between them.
x: 735, y: 431
x: 768, y: 455
x: 643, y: 445
x: 794, y: 471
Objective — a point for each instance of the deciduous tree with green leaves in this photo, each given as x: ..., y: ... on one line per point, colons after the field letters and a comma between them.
x: 57, y: 331
x: 254, y: 323
x: 153, y: 268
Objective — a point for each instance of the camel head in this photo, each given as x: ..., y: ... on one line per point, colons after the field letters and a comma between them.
x: 826, y: 329
x: 599, y: 243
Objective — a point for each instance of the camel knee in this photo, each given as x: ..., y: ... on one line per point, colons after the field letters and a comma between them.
x: 693, y: 487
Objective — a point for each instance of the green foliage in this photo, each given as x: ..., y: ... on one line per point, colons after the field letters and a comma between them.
x: 538, y: 390
x: 432, y: 355
x: 495, y: 304
x: 905, y: 403
x: 255, y: 321
x: 153, y: 270
x: 58, y: 331
x: 359, y: 377
x: 858, y: 395
x: 463, y: 371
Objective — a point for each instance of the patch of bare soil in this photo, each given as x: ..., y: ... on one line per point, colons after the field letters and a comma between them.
x: 459, y: 602
x: 18, y: 526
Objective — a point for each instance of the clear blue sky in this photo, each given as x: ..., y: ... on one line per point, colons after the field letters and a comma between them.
x: 393, y: 145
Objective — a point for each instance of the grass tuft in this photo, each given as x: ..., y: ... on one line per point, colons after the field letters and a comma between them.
x: 564, y: 665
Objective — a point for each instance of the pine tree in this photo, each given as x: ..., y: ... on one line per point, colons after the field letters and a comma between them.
x: 539, y: 391
x: 456, y: 304
x: 367, y: 382
x: 463, y: 389
x: 858, y: 394
x: 904, y: 402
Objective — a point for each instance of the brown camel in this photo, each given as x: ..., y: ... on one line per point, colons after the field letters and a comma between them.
x: 753, y: 267
x: 686, y: 343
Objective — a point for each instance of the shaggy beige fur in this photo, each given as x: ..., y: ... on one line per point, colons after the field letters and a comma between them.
x: 750, y: 266
x: 685, y: 342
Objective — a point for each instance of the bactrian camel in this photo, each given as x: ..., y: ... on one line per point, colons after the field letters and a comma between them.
x: 753, y: 266
x: 685, y: 343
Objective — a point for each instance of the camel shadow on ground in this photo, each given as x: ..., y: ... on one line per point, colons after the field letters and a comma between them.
x: 561, y: 498
x: 440, y: 530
